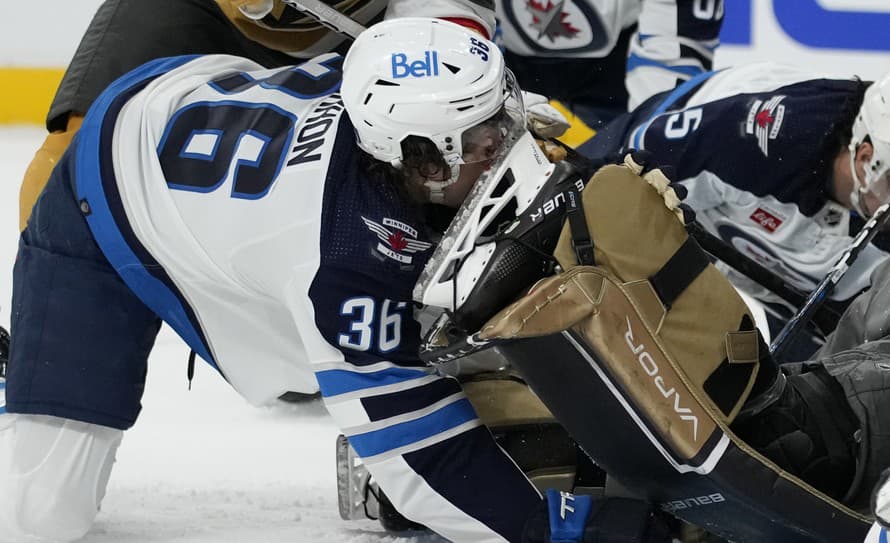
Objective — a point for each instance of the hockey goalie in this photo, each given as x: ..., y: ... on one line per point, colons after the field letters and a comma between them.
x: 652, y: 361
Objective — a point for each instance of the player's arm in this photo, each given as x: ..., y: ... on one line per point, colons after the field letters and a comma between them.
x: 475, y: 14
x: 709, y: 144
x: 674, y: 42
x: 415, y: 431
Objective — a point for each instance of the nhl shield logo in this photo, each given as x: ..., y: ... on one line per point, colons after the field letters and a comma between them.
x: 396, y: 240
x: 765, y: 120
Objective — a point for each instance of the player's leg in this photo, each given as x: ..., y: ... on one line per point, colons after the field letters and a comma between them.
x: 78, y: 359
x: 53, y: 473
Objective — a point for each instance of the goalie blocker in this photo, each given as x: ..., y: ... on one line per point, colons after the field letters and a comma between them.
x: 650, y: 359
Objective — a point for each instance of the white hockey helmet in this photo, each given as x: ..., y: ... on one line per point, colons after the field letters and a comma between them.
x: 872, y: 125
x: 429, y: 78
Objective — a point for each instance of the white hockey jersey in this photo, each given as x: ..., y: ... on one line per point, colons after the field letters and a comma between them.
x: 235, y: 203
x: 576, y: 49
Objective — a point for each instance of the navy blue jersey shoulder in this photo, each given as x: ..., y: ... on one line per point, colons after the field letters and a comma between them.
x: 374, y: 245
x: 780, y: 143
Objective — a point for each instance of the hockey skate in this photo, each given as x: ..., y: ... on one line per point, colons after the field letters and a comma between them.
x: 360, y: 497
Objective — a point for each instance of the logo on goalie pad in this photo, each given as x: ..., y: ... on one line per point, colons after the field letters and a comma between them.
x: 397, y: 240
x: 647, y: 362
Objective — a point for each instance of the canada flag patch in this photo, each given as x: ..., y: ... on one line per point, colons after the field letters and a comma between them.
x: 396, y: 240
x: 766, y: 219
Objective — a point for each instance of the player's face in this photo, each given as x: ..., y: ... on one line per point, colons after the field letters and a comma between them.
x: 482, y: 145
x: 455, y: 193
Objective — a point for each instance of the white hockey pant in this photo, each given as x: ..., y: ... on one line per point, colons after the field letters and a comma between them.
x: 53, y: 474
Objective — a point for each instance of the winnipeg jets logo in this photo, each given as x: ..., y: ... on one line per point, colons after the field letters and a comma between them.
x: 398, y: 240
x: 550, y: 21
x: 765, y: 121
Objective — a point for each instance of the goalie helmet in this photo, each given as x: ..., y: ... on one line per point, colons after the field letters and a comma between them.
x: 872, y: 125
x: 433, y: 79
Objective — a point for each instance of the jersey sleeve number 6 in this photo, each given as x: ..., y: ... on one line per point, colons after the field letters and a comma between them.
x: 206, y: 143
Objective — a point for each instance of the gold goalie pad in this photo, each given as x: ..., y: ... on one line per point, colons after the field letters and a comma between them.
x: 688, y: 361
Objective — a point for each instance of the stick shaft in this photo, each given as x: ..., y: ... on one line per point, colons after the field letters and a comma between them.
x: 826, y: 286
x: 329, y: 17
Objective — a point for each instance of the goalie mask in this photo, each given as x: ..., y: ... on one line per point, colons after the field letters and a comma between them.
x: 435, y: 80
x: 502, y: 237
x: 872, y: 126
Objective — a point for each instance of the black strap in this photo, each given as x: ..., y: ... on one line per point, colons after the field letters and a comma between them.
x: 190, y: 371
x: 581, y: 239
x: 679, y: 271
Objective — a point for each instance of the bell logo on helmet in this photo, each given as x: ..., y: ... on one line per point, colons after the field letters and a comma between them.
x: 428, y: 67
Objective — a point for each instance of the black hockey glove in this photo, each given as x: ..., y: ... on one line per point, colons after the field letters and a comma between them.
x: 568, y: 518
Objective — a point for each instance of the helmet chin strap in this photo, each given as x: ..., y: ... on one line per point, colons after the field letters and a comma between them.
x: 437, y: 188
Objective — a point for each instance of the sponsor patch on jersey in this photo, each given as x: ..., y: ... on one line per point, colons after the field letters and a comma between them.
x: 765, y: 120
x: 767, y: 220
x: 396, y: 240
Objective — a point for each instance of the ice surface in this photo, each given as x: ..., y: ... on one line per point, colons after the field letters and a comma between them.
x: 203, y: 466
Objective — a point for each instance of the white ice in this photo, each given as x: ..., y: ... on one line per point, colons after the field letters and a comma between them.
x: 203, y: 466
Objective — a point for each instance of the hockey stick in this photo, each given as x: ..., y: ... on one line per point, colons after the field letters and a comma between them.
x: 329, y: 17
x: 826, y: 286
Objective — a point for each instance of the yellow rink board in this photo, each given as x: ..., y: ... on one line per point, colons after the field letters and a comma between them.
x: 578, y: 132
x: 26, y: 93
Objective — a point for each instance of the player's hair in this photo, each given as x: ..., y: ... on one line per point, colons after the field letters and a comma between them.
x: 421, y: 159
x: 842, y: 131
x: 839, y: 134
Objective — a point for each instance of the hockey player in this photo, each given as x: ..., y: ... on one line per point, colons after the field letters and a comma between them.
x: 601, y: 57
x: 774, y: 160
x: 126, y: 33
x: 275, y: 226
